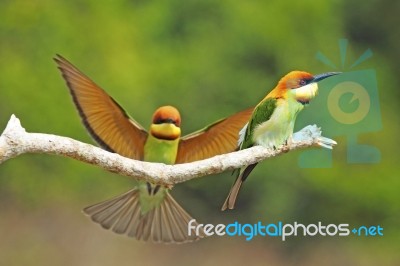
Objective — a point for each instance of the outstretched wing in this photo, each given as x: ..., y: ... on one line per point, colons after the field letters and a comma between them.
x: 103, y: 117
x: 218, y: 138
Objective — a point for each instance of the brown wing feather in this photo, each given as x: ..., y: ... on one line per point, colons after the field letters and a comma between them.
x: 103, y: 117
x: 218, y: 138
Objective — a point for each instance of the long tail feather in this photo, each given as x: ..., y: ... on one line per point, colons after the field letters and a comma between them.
x: 233, y: 193
x: 166, y: 223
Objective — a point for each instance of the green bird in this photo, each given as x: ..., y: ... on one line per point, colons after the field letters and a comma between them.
x: 148, y: 211
x: 272, y: 121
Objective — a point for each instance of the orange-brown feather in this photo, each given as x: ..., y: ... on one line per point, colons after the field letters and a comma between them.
x: 167, y: 112
x: 103, y: 117
x: 218, y: 138
x: 289, y: 81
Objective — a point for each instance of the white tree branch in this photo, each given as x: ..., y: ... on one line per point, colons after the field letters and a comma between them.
x: 15, y: 141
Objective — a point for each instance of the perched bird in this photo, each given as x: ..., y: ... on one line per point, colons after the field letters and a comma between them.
x: 271, y: 124
x: 147, y: 211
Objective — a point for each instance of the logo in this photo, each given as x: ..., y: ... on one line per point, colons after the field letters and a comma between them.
x: 347, y: 105
x: 281, y: 230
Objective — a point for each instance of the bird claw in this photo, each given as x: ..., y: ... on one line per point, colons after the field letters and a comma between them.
x: 285, y: 148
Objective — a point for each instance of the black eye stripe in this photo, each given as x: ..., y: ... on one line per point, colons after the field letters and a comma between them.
x: 305, y: 81
x: 166, y: 120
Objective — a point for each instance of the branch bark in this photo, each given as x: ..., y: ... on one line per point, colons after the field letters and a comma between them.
x: 15, y: 141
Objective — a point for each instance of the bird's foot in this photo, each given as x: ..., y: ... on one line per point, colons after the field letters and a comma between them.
x: 285, y: 147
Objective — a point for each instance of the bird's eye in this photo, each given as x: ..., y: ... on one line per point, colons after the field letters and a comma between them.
x: 158, y: 121
x: 302, y: 82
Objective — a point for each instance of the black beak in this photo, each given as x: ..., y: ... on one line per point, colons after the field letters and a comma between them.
x: 324, y: 76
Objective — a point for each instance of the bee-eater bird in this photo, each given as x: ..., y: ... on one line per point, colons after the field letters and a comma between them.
x: 271, y: 124
x: 148, y: 211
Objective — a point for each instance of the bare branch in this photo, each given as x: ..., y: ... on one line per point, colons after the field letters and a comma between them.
x: 15, y: 141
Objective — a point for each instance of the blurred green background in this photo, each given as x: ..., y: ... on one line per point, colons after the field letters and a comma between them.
x: 209, y: 59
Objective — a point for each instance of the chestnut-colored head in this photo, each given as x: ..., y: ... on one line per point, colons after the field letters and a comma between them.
x: 292, y: 80
x: 303, y: 86
x: 167, y: 114
x: 295, y: 79
x: 166, y: 123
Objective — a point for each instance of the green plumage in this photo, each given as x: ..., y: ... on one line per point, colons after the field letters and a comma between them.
x: 273, y: 119
x: 160, y: 151
x: 261, y: 113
